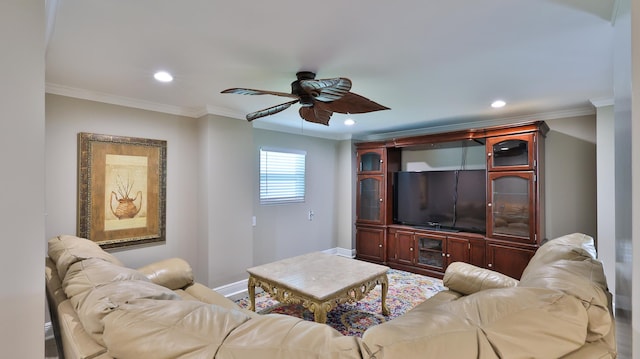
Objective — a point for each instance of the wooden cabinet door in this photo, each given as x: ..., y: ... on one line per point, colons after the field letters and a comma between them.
x: 509, y: 260
x: 430, y: 251
x: 511, y: 152
x: 511, y: 206
x: 370, y: 199
x: 406, y: 247
x: 457, y: 249
x: 370, y: 243
x: 371, y: 161
x: 477, y: 252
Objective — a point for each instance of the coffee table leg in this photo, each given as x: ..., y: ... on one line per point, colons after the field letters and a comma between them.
x: 319, y: 311
x: 252, y: 294
x: 320, y: 315
x: 385, y: 288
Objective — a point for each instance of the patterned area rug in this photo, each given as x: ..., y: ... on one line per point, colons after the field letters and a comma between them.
x: 406, y: 290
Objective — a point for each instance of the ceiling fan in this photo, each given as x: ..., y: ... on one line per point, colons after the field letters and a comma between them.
x: 319, y: 98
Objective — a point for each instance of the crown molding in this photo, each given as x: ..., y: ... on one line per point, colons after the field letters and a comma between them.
x: 573, y: 112
x: 112, y: 99
x: 195, y: 112
x: 602, y: 102
x: 303, y: 132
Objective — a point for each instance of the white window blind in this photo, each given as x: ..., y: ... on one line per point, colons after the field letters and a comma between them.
x: 282, y: 176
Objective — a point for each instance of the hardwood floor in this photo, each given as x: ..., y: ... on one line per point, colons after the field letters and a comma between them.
x: 50, y: 349
x: 623, y: 333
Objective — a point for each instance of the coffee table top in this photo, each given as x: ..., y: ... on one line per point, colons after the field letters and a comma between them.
x: 319, y: 275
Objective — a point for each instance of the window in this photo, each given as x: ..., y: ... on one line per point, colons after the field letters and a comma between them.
x: 281, y: 176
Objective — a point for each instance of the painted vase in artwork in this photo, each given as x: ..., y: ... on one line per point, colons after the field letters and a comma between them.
x: 126, y: 206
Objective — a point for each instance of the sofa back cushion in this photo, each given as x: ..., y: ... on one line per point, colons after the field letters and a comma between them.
x: 162, y: 329
x: 575, y: 246
x: 105, y: 298
x: 84, y: 276
x: 66, y: 250
x: 584, y: 280
x: 513, y: 322
x: 287, y: 337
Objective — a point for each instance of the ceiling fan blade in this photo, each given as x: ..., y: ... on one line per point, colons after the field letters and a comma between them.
x: 316, y: 115
x: 354, y: 103
x: 326, y: 90
x: 244, y: 91
x: 270, y: 110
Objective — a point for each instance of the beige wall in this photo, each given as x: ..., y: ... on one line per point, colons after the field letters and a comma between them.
x: 570, y: 176
x: 635, y: 165
x: 346, y: 196
x: 285, y: 230
x: 66, y: 117
x: 212, y: 172
x: 228, y: 182
x: 626, y: 56
x: 22, y: 178
x: 606, y: 192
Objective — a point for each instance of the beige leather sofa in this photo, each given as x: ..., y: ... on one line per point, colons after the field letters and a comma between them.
x: 100, y: 309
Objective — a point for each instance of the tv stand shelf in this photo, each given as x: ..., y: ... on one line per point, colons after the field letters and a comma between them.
x: 514, y: 228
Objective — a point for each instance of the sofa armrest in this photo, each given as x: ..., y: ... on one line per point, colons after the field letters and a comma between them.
x: 76, y: 342
x: 210, y: 296
x: 173, y: 273
x: 467, y: 279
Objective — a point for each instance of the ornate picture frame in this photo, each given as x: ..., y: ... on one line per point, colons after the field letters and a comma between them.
x: 121, y: 189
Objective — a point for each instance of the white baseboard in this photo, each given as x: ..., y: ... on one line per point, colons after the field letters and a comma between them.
x: 239, y: 290
x: 344, y: 252
x: 234, y: 291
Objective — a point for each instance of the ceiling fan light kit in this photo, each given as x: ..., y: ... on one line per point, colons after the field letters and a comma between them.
x: 319, y: 99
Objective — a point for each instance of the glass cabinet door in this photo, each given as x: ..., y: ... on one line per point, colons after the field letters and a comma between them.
x: 370, y: 160
x: 514, y: 152
x: 369, y: 199
x: 511, y: 206
x: 431, y: 251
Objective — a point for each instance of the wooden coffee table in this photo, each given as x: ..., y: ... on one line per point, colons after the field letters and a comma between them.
x: 318, y: 281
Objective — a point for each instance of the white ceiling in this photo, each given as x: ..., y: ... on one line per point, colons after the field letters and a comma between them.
x: 434, y: 63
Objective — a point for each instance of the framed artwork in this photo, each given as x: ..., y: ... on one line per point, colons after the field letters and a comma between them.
x: 121, y: 189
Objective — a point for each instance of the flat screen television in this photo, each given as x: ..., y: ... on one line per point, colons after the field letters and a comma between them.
x: 448, y: 200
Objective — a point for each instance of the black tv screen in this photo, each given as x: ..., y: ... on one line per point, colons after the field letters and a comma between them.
x: 471, y: 201
x: 453, y: 200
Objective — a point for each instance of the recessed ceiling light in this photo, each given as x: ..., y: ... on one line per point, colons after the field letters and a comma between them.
x: 163, y: 76
x: 498, y: 104
x: 349, y: 122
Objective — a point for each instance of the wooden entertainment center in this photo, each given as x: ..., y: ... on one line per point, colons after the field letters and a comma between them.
x: 513, y: 163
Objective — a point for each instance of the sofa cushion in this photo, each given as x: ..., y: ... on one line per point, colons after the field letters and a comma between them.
x: 575, y: 246
x: 493, y: 323
x: 146, y: 328
x: 66, y: 250
x: 105, y: 298
x: 584, y: 280
x: 283, y: 336
x: 467, y: 279
x: 173, y: 273
x: 88, y: 274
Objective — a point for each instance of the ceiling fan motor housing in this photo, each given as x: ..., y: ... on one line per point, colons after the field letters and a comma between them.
x: 306, y: 98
